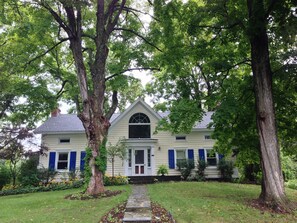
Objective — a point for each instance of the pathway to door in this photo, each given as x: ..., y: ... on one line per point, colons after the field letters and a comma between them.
x: 138, y: 208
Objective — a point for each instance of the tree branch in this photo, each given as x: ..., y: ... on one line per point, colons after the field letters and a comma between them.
x: 140, y: 36
x: 60, y: 92
x: 60, y: 21
x: 47, y: 51
x: 131, y: 69
x: 113, y: 106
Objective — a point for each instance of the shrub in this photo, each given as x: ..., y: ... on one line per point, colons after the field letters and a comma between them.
x: 162, y: 170
x: 113, y: 181
x: 46, y: 175
x: 226, y: 169
x: 185, y: 167
x: 28, y: 172
x: 51, y: 186
x: 201, y: 168
x: 289, y: 167
x: 292, y: 184
x: 4, y: 175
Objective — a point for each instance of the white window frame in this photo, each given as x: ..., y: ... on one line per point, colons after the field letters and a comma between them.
x: 57, y: 160
x: 208, y: 138
x: 216, y: 156
x: 175, y: 154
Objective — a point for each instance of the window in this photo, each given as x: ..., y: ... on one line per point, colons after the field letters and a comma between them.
x: 180, y: 156
x: 62, y: 161
x: 139, y: 126
x: 211, y: 157
x: 207, y: 137
x: 180, y: 137
x: 130, y: 158
x: 65, y: 140
x: 149, y: 157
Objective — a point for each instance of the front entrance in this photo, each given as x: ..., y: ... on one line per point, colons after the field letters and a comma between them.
x: 139, y: 162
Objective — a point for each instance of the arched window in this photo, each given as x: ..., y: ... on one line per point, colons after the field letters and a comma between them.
x: 139, y: 126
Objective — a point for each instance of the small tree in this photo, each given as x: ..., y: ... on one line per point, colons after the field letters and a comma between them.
x: 4, y: 175
x: 117, y: 150
x: 226, y: 169
x: 185, y: 167
x: 201, y: 168
x: 28, y: 172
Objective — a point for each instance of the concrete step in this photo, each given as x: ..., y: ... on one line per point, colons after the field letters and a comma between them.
x: 138, y: 216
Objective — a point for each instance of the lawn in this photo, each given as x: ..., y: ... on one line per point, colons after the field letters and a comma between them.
x: 52, y: 207
x: 187, y: 201
x: 214, y: 202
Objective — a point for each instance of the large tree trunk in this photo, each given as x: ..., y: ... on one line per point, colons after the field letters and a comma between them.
x: 272, y: 193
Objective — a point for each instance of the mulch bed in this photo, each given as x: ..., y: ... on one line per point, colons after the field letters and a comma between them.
x: 263, y: 207
x: 83, y: 196
x: 159, y: 214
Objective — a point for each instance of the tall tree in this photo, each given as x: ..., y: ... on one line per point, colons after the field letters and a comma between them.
x: 227, y: 31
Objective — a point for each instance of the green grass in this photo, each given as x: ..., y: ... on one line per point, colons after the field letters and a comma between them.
x: 52, y: 207
x: 214, y: 202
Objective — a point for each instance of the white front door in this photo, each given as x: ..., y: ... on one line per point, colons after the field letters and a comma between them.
x: 139, y: 162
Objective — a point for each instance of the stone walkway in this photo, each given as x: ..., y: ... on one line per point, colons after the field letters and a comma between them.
x: 138, y: 208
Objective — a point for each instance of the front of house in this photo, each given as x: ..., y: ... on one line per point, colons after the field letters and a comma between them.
x: 65, y: 137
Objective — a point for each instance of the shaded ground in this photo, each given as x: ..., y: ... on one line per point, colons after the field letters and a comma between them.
x: 263, y: 207
x: 159, y: 214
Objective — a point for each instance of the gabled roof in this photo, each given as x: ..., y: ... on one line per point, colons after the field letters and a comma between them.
x: 138, y: 101
x: 70, y: 123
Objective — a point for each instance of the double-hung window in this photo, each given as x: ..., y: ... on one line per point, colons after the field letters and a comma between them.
x: 181, y: 156
x: 211, y: 157
x: 62, y: 162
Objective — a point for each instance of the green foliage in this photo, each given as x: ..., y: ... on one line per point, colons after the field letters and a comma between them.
x: 46, y: 175
x: 87, y: 170
x: 28, y: 175
x: 226, y: 169
x: 201, y: 168
x: 289, y: 167
x: 162, y: 170
x: 4, y: 175
x: 101, y: 161
x: 117, y: 150
x: 185, y: 167
x: 251, y: 173
x: 292, y: 184
x: 43, y: 188
x: 115, y: 180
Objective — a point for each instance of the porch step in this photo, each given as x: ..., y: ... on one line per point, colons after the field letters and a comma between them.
x: 141, y: 180
x: 138, y: 207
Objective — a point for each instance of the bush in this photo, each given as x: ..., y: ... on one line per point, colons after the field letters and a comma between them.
x: 226, y: 169
x: 46, y: 175
x: 28, y: 172
x: 113, y: 181
x: 201, y: 168
x: 185, y: 167
x: 292, y: 184
x: 51, y: 186
x: 162, y: 170
x: 4, y: 175
x: 251, y: 173
x: 289, y: 167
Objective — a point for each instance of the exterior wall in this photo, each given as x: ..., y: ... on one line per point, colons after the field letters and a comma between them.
x: 77, y: 143
x: 163, y: 141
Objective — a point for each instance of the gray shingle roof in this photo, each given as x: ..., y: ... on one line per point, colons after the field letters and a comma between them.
x: 70, y: 123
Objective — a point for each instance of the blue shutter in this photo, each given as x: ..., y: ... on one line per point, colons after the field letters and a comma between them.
x: 52, y: 161
x: 190, y: 154
x: 201, y: 154
x: 171, y: 160
x: 72, y: 161
x: 221, y: 156
x: 82, y: 160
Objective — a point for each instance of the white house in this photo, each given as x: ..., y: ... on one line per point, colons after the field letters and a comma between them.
x: 64, y: 135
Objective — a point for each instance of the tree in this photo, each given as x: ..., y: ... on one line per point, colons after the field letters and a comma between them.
x: 117, y: 150
x: 227, y: 31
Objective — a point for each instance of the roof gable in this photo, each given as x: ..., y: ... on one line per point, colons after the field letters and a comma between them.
x: 139, y: 101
